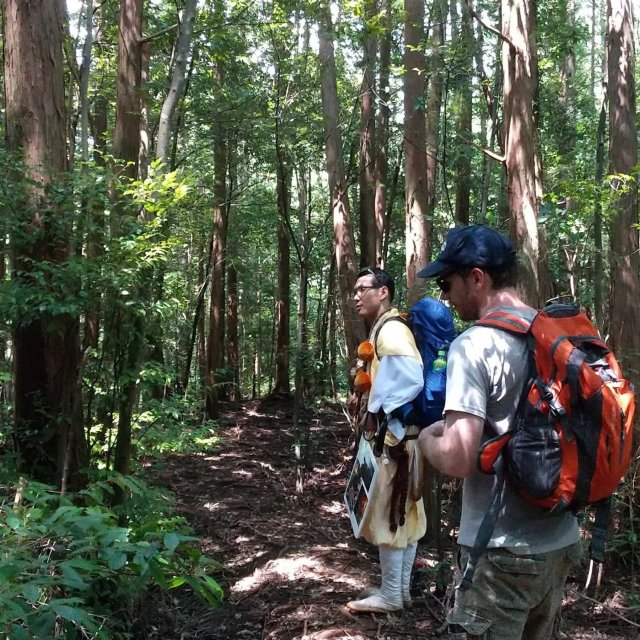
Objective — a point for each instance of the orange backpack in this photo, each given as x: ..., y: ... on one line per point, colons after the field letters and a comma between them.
x: 572, y: 438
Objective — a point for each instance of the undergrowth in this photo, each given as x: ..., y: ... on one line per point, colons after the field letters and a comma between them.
x: 71, y: 565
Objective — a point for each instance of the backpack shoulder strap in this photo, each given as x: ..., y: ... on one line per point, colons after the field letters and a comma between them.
x: 507, y: 321
x: 399, y: 318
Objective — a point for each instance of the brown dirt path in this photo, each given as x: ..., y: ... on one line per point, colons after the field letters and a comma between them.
x: 290, y: 559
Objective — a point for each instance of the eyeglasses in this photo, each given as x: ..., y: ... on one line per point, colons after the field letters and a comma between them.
x: 358, y: 291
x: 444, y: 284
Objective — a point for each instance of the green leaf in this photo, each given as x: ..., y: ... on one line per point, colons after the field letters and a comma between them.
x: 72, y: 578
x: 171, y: 541
x: 18, y: 632
x: 77, y: 616
x: 176, y: 581
x: 116, y: 559
x: 158, y: 574
x: 83, y: 564
x: 43, y: 624
x: 8, y: 571
x: 214, y: 587
x: 31, y: 592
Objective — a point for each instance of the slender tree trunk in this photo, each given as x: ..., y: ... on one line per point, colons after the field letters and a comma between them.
x: 417, y: 225
x: 126, y: 147
x: 368, y: 228
x: 382, y: 132
x: 598, y: 247
x: 494, y: 128
x: 233, y: 351
x: 283, y: 197
x: 178, y: 82
x: 519, y: 86
x: 464, y: 115
x: 434, y: 104
x: 342, y: 229
x: 85, y: 69
x: 215, y: 358
x: 204, y: 269
x: 283, y: 294
x: 143, y: 151
x: 623, y: 157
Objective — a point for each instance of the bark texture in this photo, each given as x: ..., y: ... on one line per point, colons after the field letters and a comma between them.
x: 623, y: 156
x: 519, y: 84
x: 342, y: 229
x: 48, y: 434
x: 418, y: 225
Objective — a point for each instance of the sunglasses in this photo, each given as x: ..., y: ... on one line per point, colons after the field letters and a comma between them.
x: 444, y: 284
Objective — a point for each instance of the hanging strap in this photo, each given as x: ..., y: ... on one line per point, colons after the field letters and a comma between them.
x: 380, y: 436
x: 599, y: 530
x: 488, y: 524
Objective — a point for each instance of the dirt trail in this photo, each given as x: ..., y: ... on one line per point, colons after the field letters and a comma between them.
x: 290, y: 559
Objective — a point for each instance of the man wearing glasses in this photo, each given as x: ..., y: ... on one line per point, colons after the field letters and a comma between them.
x: 395, y: 518
x: 519, y: 579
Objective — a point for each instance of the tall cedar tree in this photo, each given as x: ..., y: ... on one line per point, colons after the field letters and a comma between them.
x: 48, y: 429
x: 342, y: 228
x: 418, y: 226
x: 623, y: 157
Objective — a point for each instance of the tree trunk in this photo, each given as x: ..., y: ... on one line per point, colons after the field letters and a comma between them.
x: 126, y: 147
x: 48, y: 426
x: 382, y: 132
x: 233, y: 352
x: 342, y: 230
x: 417, y: 225
x: 368, y: 228
x: 434, y: 104
x: 464, y: 131
x: 283, y: 293
x: 598, y: 247
x: 215, y: 358
x: 178, y: 82
x: 519, y: 86
x: 623, y: 156
x: 126, y: 137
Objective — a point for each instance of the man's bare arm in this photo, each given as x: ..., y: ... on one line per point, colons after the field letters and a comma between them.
x: 452, y: 446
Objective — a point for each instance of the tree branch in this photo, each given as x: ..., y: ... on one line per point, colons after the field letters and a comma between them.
x: 491, y: 154
x: 493, y: 30
x: 153, y: 36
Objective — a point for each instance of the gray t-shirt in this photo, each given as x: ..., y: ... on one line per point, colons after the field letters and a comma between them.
x: 486, y: 373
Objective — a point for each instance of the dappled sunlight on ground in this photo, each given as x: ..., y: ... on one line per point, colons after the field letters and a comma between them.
x: 290, y: 559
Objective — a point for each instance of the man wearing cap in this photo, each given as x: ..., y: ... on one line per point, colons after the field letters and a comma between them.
x: 395, y: 518
x: 519, y: 579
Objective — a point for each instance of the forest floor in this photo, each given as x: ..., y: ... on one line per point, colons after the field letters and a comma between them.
x: 290, y: 559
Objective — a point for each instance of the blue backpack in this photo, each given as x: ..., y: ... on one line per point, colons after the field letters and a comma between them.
x: 432, y: 326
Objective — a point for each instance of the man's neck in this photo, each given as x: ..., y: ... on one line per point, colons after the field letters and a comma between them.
x: 502, y: 298
x: 381, y: 312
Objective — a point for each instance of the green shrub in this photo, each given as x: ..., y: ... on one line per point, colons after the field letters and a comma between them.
x: 70, y: 569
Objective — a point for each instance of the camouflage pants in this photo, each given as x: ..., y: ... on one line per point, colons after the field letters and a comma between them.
x: 513, y: 597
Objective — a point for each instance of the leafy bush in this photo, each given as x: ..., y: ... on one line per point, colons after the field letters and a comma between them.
x: 69, y: 569
x: 172, y: 425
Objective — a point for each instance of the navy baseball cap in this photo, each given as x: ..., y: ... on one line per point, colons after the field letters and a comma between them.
x: 472, y: 246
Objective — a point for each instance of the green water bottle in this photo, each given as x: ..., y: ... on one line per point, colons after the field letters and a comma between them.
x: 441, y: 360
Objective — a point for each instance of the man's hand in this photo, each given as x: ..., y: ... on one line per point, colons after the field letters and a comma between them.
x: 352, y: 403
